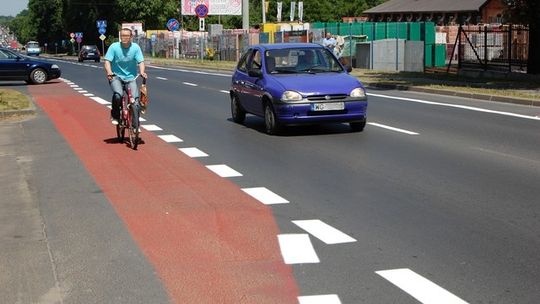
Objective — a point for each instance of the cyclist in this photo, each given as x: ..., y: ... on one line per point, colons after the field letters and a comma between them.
x: 121, y: 62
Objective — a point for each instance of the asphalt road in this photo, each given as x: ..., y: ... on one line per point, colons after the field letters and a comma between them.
x: 437, y: 200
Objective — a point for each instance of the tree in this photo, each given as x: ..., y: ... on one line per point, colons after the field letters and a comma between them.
x: 527, y: 12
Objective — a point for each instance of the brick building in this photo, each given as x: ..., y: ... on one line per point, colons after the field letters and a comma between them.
x: 442, y: 12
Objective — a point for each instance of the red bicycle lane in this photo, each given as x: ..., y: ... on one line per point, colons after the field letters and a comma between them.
x: 208, y: 241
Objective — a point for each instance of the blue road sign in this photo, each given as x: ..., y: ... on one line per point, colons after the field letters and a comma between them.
x: 101, y: 23
x: 102, y: 30
x: 173, y: 25
x: 201, y: 11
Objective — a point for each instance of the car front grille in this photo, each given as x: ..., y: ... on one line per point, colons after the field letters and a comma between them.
x: 326, y: 97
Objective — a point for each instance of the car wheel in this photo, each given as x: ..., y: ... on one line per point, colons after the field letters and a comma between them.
x: 79, y: 60
x: 97, y: 60
x: 38, y: 76
x: 270, y: 123
x: 238, y: 114
x: 358, y: 126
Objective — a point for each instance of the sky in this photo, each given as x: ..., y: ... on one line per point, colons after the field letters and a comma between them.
x: 12, y: 7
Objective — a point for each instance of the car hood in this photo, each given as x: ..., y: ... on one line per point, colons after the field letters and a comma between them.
x: 318, y: 84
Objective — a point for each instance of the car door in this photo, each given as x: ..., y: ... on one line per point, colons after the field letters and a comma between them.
x: 12, y: 66
x: 240, y: 76
x: 253, y: 84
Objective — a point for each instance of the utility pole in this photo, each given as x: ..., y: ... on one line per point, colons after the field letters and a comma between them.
x: 263, y: 12
x: 245, y: 14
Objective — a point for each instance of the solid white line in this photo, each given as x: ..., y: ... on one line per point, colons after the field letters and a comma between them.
x: 265, y: 196
x: 151, y: 128
x: 193, y: 152
x: 324, y: 232
x: 224, y: 170
x: 88, y: 94
x: 392, y: 128
x: 223, y: 91
x: 100, y: 100
x: 190, y: 84
x: 319, y: 299
x: 419, y: 287
x: 162, y: 78
x: 457, y: 106
x: 170, y: 138
x: 297, y: 249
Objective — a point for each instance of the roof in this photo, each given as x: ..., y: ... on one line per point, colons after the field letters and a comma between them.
x: 417, y: 6
x: 278, y: 46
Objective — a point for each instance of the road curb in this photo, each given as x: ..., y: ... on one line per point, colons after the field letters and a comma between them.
x: 31, y: 110
x: 521, y: 101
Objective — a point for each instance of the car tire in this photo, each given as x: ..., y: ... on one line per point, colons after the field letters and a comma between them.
x: 79, y: 60
x: 38, y: 76
x: 237, y: 112
x: 97, y: 60
x: 271, y: 125
x: 358, y: 126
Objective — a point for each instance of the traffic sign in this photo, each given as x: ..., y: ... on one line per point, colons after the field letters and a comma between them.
x: 72, y: 40
x: 201, y: 10
x: 102, y: 30
x: 101, y: 23
x: 173, y: 25
x: 78, y: 35
x: 102, y: 37
x: 79, y: 39
x: 72, y: 35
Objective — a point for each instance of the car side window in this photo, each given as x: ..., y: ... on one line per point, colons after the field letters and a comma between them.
x: 242, y: 64
x: 255, y: 63
x: 3, y: 55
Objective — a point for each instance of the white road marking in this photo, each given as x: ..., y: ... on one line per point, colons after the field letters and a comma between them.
x: 78, y: 89
x: 142, y: 119
x: 265, y: 196
x: 297, y: 249
x: 419, y: 287
x: 170, y: 138
x: 392, y: 128
x: 109, y: 106
x: 457, y: 106
x: 82, y: 91
x: 74, y: 85
x: 324, y: 232
x: 100, y: 100
x: 223, y: 91
x: 151, y: 128
x: 190, y: 84
x: 319, y: 299
x: 162, y: 78
x: 88, y: 94
x: 193, y: 152
x: 189, y: 71
x: 224, y: 170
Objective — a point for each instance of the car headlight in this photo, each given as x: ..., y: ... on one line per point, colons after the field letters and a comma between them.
x: 358, y: 92
x: 291, y: 96
x: 54, y: 66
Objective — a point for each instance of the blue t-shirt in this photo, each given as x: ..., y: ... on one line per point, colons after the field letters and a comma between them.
x: 124, y: 61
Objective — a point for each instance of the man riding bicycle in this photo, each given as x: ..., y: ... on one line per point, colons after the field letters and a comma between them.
x: 121, y: 62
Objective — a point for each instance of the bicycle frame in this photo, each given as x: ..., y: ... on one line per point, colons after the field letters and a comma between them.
x: 129, y: 117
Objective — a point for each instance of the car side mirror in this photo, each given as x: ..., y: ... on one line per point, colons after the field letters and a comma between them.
x: 348, y: 68
x: 255, y: 73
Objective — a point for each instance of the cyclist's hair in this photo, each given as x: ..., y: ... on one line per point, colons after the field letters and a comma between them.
x: 127, y: 29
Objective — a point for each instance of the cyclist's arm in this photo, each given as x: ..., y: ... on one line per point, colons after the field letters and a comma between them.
x: 142, y: 69
x: 108, y: 70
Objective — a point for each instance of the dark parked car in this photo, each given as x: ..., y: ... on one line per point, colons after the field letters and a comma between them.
x: 89, y: 52
x: 296, y: 83
x: 14, y: 66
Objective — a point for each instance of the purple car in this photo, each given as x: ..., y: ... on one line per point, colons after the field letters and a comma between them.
x: 296, y: 83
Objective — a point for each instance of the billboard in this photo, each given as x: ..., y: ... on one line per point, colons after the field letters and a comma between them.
x: 215, y: 7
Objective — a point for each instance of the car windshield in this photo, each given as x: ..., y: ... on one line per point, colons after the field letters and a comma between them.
x: 33, y: 45
x: 301, y: 60
x: 89, y: 47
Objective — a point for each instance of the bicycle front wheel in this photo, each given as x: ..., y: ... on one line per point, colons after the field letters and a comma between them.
x: 120, y: 132
x: 134, y: 128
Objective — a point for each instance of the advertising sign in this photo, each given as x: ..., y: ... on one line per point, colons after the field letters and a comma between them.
x: 215, y: 7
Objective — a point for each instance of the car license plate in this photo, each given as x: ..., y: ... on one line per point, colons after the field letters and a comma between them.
x: 327, y: 106
x: 90, y: 54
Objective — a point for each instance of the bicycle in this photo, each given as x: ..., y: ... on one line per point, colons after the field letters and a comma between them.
x: 129, y: 116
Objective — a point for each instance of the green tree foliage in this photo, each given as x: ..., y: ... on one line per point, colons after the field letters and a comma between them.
x: 528, y: 12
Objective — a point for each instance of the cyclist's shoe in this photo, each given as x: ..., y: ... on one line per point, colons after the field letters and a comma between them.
x: 114, y: 121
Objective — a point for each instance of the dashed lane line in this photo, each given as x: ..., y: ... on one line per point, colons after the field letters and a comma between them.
x: 324, y: 232
x: 297, y: 249
x: 190, y: 84
x: 419, y: 287
x: 224, y: 170
x: 162, y: 78
x: 170, y: 138
x: 151, y: 128
x: 193, y: 152
x: 265, y: 196
x: 319, y: 299
x: 100, y: 100
x: 392, y: 128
